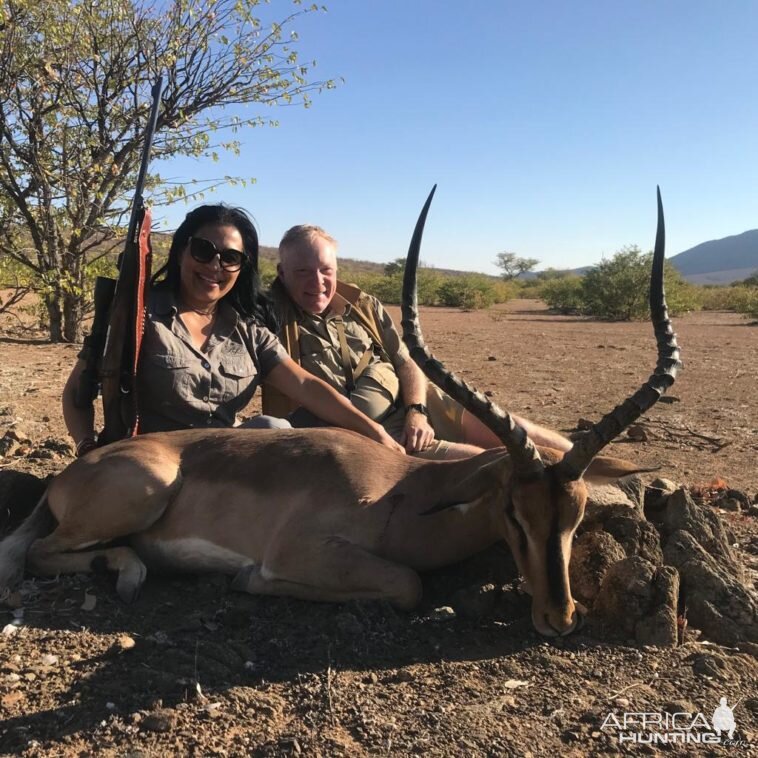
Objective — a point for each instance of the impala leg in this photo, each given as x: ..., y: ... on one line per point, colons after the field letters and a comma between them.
x: 51, y: 556
x: 333, y: 570
x: 95, y: 503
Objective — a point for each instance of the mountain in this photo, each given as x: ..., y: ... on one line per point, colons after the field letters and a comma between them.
x: 723, y: 261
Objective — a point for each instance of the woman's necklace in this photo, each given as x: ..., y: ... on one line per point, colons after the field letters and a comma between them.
x: 209, y: 312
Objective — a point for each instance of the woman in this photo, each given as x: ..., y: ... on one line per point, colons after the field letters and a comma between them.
x: 204, y: 351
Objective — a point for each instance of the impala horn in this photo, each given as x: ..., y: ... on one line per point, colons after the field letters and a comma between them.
x: 526, y: 458
x: 577, y: 459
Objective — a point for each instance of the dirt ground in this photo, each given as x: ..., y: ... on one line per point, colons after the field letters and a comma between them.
x: 194, y: 669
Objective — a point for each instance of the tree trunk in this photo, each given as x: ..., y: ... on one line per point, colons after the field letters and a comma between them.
x: 72, y: 317
x: 54, y: 317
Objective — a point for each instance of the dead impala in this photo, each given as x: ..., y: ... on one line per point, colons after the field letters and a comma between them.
x: 326, y: 514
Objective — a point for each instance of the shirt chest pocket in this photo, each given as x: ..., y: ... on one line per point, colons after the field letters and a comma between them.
x: 236, y: 373
x: 167, y: 376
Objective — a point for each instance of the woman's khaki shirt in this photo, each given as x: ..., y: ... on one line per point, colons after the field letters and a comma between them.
x: 181, y: 387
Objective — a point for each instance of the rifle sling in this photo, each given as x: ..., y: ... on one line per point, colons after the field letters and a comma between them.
x: 351, y: 374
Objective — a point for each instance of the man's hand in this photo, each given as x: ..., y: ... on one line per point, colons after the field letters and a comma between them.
x: 418, y: 433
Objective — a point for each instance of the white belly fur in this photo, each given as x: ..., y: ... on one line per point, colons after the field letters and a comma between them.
x: 190, y: 554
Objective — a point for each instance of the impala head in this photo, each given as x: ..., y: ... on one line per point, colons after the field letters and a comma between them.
x: 546, y: 494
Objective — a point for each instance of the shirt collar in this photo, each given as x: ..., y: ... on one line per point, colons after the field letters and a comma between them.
x: 164, y: 303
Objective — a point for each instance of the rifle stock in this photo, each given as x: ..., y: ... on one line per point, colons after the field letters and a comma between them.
x: 89, y: 382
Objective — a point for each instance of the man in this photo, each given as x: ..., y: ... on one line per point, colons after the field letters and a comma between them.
x: 346, y: 338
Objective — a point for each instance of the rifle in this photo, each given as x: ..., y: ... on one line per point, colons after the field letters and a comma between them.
x: 112, y: 349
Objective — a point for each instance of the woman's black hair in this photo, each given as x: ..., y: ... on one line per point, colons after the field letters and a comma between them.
x: 246, y: 296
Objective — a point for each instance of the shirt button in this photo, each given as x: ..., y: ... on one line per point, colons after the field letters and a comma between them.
x: 209, y: 420
x: 205, y: 398
x: 206, y: 365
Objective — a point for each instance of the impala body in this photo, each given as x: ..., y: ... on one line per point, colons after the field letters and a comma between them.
x: 326, y: 514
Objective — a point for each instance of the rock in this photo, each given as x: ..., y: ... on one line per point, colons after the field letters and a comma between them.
x: 638, y: 538
x: 656, y: 496
x: 682, y: 513
x: 660, y: 628
x: 592, y: 554
x: 475, y: 602
x: 749, y: 647
x: 404, y: 675
x: 637, y: 433
x: 8, y: 446
x: 42, y: 453
x: 125, y: 642
x: 717, y: 602
x: 729, y: 504
x: 665, y: 485
x: 223, y: 654
x: 638, y: 601
x: 18, y: 435
x: 741, y: 497
x: 445, y: 613
x: 159, y: 721
x: 634, y: 488
x: 601, y: 497
x: 706, y: 664
x: 213, y: 710
x: 58, y: 446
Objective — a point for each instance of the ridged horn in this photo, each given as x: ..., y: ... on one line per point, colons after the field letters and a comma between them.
x: 526, y: 459
x: 577, y: 459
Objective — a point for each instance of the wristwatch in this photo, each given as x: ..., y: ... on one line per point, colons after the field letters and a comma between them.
x: 418, y: 407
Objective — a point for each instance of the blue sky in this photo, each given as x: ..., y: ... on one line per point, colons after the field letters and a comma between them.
x: 546, y: 125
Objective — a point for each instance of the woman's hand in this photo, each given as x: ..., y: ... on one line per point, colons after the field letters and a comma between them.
x: 325, y: 402
x: 387, y: 441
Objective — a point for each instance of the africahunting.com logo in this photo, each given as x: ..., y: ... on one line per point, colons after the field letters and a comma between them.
x: 678, y: 728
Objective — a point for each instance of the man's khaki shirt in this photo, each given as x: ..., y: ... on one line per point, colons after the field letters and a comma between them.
x: 377, y: 387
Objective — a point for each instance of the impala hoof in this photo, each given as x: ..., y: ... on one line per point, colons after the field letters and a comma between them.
x: 130, y: 581
x: 244, y: 577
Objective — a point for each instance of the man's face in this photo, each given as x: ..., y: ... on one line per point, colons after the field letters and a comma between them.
x: 309, y: 273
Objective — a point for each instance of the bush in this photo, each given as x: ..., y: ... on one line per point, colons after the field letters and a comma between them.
x: 745, y: 300
x: 617, y: 289
x: 563, y: 295
x: 740, y: 298
x: 388, y: 289
x: 470, y: 291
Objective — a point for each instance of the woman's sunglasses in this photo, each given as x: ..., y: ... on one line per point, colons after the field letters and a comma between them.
x: 204, y: 251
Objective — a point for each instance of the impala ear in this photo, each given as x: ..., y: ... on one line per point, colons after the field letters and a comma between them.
x: 605, y: 468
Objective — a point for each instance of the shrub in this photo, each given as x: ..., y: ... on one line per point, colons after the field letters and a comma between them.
x: 745, y: 300
x: 563, y: 294
x: 389, y: 289
x: 470, y: 291
x: 617, y: 289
